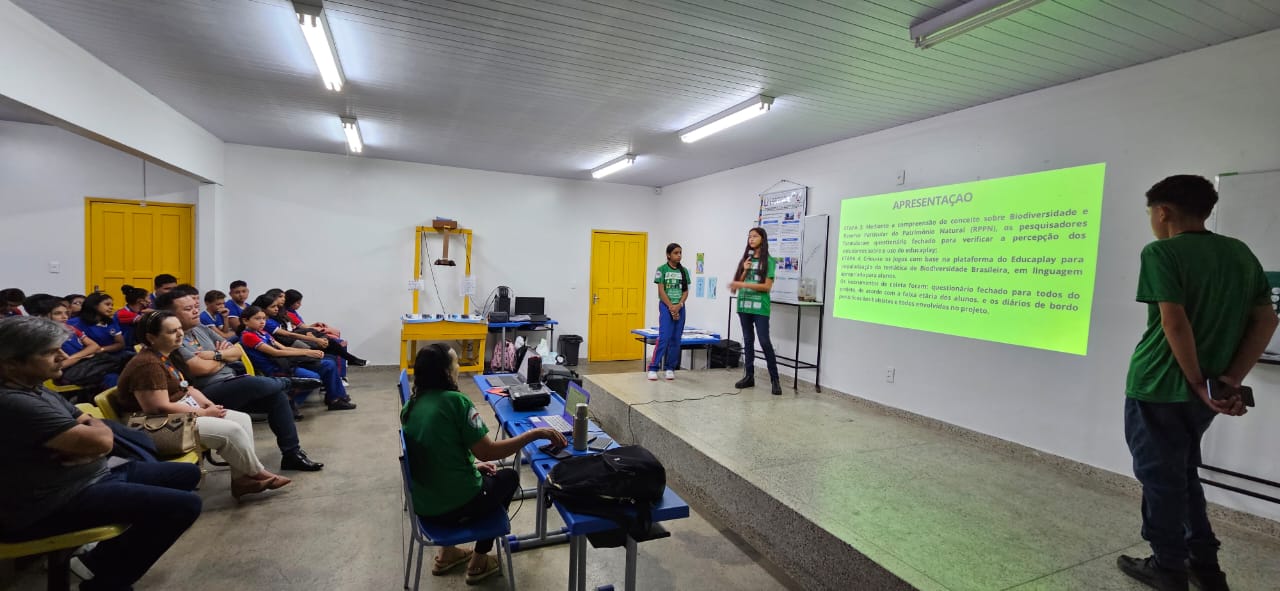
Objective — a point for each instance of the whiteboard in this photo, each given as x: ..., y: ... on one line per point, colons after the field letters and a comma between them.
x: 1249, y: 209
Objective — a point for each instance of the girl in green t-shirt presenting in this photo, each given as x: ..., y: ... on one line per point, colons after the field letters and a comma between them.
x: 753, y: 279
x: 673, y: 289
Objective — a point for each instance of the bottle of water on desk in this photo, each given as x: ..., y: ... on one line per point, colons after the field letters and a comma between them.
x: 580, y: 428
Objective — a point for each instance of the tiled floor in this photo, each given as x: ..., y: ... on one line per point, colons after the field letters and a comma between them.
x: 343, y: 528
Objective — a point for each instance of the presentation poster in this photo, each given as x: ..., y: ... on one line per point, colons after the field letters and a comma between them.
x: 1009, y: 260
x: 782, y: 217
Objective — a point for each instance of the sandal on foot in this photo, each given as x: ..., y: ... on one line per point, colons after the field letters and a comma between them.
x: 490, y: 569
x: 440, y: 568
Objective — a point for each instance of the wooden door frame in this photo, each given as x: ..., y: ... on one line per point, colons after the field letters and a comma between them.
x: 88, y: 229
x: 644, y: 291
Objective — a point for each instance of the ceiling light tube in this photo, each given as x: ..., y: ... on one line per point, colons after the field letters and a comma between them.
x: 352, y: 128
x: 734, y: 115
x: 613, y: 166
x: 965, y: 18
x: 315, y: 29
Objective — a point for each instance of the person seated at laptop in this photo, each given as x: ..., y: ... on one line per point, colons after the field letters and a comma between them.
x: 444, y: 436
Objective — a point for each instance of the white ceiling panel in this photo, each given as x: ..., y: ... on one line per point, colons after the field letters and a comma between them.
x: 557, y: 87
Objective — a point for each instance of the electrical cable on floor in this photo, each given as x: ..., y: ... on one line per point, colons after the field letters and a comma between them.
x: 631, y: 432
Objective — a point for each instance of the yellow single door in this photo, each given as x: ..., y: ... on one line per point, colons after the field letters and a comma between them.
x: 618, y: 287
x: 129, y: 243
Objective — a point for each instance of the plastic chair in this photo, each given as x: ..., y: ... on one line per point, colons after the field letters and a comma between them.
x: 90, y: 410
x: 62, y: 388
x: 495, y: 526
x: 105, y: 402
x: 58, y: 549
x: 248, y: 365
x: 405, y: 389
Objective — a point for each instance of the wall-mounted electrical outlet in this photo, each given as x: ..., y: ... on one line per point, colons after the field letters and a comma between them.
x: 55, y: 267
x: 888, y: 375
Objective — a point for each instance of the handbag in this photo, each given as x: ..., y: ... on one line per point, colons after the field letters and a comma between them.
x: 173, y: 434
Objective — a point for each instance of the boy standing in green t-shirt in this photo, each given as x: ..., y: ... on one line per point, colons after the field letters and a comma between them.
x: 673, y: 289
x: 1209, y: 317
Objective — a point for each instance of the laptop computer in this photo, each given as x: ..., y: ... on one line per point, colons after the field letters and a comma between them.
x: 563, y: 422
x: 521, y: 377
x: 503, y: 381
x: 531, y: 307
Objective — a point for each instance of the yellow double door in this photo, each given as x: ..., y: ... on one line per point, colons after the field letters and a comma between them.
x: 127, y: 242
x: 618, y: 287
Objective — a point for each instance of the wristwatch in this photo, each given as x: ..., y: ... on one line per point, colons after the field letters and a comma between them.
x: 217, y: 356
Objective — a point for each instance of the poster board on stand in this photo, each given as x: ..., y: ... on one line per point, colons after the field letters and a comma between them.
x: 782, y: 217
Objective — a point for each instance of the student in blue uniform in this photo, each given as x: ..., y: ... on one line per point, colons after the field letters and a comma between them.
x: 83, y: 365
x: 264, y: 350
x: 754, y: 279
x: 163, y: 283
x: 136, y: 300
x: 239, y: 292
x: 11, y: 302
x: 97, y: 322
x: 215, y: 313
x: 74, y: 302
x: 673, y: 289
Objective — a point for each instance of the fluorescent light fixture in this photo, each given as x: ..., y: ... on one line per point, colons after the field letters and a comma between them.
x: 965, y: 18
x: 749, y: 109
x: 315, y: 28
x: 352, y: 128
x: 613, y: 166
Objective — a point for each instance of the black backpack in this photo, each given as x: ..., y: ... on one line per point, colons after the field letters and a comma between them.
x: 726, y: 353
x: 607, y: 485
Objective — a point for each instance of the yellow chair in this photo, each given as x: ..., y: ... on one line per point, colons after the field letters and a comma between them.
x: 90, y: 410
x: 248, y: 365
x: 58, y: 549
x: 107, y: 407
x: 61, y: 388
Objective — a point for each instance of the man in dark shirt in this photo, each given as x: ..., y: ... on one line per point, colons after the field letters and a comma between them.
x: 58, y: 478
x: 207, y: 354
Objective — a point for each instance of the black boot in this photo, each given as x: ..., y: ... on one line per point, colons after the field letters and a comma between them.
x: 353, y: 360
x: 747, y: 381
x: 777, y: 387
x: 1147, y: 571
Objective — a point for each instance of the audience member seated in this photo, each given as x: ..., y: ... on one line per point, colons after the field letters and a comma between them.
x: 136, y: 300
x: 74, y: 302
x: 11, y: 302
x: 239, y: 292
x: 444, y: 435
x: 292, y: 302
x: 96, y: 321
x: 83, y: 366
x: 214, y: 316
x: 277, y: 359
x: 280, y: 326
x: 162, y: 283
x: 154, y: 383
x: 57, y: 478
x: 207, y: 355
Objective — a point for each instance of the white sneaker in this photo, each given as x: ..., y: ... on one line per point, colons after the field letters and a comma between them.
x: 80, y: 570
x: 345, y: 383
x: 653, y: 376
x: 671, y: 375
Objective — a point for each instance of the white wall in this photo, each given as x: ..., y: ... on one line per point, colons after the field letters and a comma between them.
x: 1206, y: 112
x: 343, y: 233
x: 45, y: 175
x: 46, y: 71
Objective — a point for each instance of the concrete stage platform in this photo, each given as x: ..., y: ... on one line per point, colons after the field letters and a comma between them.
x: 844, y: 494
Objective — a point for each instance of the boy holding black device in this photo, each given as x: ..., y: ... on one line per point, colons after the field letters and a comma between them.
x: 1209, y: 317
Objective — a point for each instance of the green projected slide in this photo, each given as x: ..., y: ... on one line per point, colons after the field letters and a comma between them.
x: 1010, y: 260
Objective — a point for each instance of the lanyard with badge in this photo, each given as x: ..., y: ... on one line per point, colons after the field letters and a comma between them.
x: 173, y: 371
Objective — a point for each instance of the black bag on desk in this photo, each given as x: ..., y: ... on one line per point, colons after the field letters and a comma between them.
x: 726, y: 353
x: 558, y: 377
x: 607, y: 485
